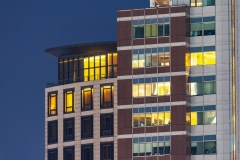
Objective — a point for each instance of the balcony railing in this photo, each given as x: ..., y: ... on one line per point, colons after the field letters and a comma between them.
x: 82, y: 79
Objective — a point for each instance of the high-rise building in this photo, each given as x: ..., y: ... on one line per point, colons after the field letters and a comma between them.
x: 167, y: 89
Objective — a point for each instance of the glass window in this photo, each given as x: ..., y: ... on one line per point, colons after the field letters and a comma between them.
x: 196, y: 148
x: 210, y: 147
x: 160, y: 30
x: 87, y: 152
x: 166, y: 29
x: 161, y: 118
x: 135, y: 120
x: 148, y: 119
x: 106, y: 124
x: 167, y: 148
x: 164, y: 88
x: 151, y: 30
x: 187, y: 59
x: 53, y: 154
x: 148, y: 149
x: 106, y: 150
x: 141, y: 62
x: 196, y: 118
x: 155, y: 148
x: 209, y: 88
x: 148, y: 89
x: 141, y: 149
x: 154, y: 119
x: 195, y: 29
x: 154, y: 89
x: 52, y: 132
x: 68, y: 129
x: 135, y: 90
x: 209, y: 117
x: 196, y: 59
x: 148, y: 60
x: 209, y: 58
x: 135, y: 61
x: 87, y: 127
x: 52, y: 104
x: 141, y: 90
x: 69, y: 101
x: 208, y: 2
x: 154, y: 60
x: 209, y: 29
x: 164, y: 59
x: 167, y: 117
x: 68, y: 153
x: 195, y: 88
x: 142, y: 119
x: 107, y: 94
x: 138, y: 31
x: 87, y: 98
x: 135, y: 149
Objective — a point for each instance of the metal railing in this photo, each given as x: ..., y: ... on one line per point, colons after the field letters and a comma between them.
x: 82, y: 79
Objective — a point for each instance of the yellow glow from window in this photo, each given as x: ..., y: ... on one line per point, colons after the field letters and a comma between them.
x: 53, y: 102
x: 209, y: 58
x: 135, y: 120
x: 86, y: 62
x: 161, y: 118
x: 69, y: 99
x: 134, y: 63
x: 196, y: 59
x: 135, y: 90
x: 167, y: 118
x: 188, y: 118
x: 97, y: 73
x: 154, y: 119
x: 91, y: 74
x: 193, y: 118
x: 164, y: 88
x: 148, y: 89
x: 97, y: 61
x: 103, y: 72
x: 187, y: 59
x: 103, y: 60
x: 148, y: 119
x: 141, y: 90
x: 91, y: 62
x: 115, y: 56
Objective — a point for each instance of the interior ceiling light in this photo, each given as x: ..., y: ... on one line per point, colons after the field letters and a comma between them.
x: 162, y: 2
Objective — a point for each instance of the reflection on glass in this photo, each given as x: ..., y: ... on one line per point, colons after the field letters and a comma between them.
x: 196, y: 148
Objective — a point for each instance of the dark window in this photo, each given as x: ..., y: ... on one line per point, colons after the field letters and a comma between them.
x: 69, y: 101
x: 52, y: 104
x: 107, y: 151
x: 52, y: 132
x: 107, y: 94
x: 68, y: 153
x: 87, y: 98
x: 107, y: 124
x: 53, y: 154
x: 87, y: 152
x: 138, y: 32
x: 69, y: 129
x: 87, y: 127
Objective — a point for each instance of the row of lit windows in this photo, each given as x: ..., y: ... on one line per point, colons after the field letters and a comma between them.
x: 88, y: 68
x: 151, y: 30
x: 201, y: 88
x: 151, y: 89
x: 151, y: 119
x: 201, y: 58
x: 106, y: 128
x: 87, y: 152
x: 106, y: 99
x: 199, y: 3
x: 150, y: 60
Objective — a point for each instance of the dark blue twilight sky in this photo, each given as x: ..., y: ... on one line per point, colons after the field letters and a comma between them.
x: 27, y: 27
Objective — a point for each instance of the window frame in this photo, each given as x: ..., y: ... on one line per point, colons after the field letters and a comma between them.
x: 102, y: 103
x: 84, y: 118
x: 83, y: 106
x: 54, y: 151
x: 66, y: 136
x: 110, y: 131
x: 49, y: 103
x: 65, y: 92
x: 104, y: 144
x: 55, y: 139
x: 84, y: 146
x: 65, y: 149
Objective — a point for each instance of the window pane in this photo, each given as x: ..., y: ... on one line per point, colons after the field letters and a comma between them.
x: 86, y: 62
x: 196, y: 118
x: 167, y: 118
x: 161, y: 118
x: 196, y: 88
x: 69, y: 99
x: 196, y: 29
x: 141, y: 62
x: 160, y: 30
x: 161, y: 148
x: 155, y: 148
x: 148, y: 149
x: 208, y: 2
x: 97, y: 73
x: 210, y: 117
x: 135, y: 90
x: 161, y: 59
x: 154, y: 60
x: 147, y: 30
x: 135, y: 61
x: 187, y: 59
x: 154, y: 89
x: 166, y: 59
x: 209, y: 29
x: 141, y: 90
x: 114, y: 58
x: 103, y: 60
x: 141, y: 149
x: 167, y: 148
x: 142, y: 119
x: 148, y: 89
x: 196, y: 148
x: 161, y: 88
x: 166, y: 30
x: 209, y: 88
x: 210, y: 147
x: 154, y: 30
x: 209, y: 58
x: 135, y: 149
x: 107, y: 152
x: 135, y: 32
x: 199, y: 3
x: 193, y: 4
x: 196, y: 59
x: 154, y: 119
x: 103, y: 72
x: 135, y: 120
x: 97, y: 61
x: 141, y: 32
x: 167, y: 89
x: 148, y: 119
x: 52, y: 104
x: 106, y: 99
x: 148, y: 60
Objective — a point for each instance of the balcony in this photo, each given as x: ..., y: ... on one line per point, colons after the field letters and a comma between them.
x: 82, y: 79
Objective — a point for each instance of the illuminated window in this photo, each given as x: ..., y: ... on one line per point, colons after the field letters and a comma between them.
x: 107, y: 95
x: 52, y: 132
x: 69, y: 101
x: 68, y: 129
x: 52, y: 104
x: 187, y: 60
x: 199, y: 3
x: 151, y: 30
x: 164, y: 59
x: 196, y: 59
x: 87, y: 98
x: 209, y: 58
